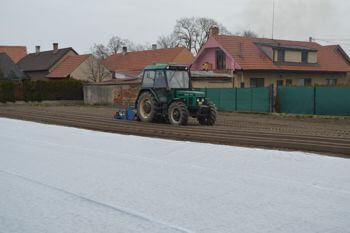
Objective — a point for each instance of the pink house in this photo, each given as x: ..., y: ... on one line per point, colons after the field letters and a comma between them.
x: 261, y: 62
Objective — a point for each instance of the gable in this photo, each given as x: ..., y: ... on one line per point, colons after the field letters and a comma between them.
x: 207, y: 56
x: 67, y: 66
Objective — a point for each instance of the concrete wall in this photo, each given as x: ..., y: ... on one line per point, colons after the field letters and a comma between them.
x: 120, y: 95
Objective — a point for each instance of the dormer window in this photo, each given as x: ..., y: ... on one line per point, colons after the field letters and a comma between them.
x: 304, y: 57
x: 220, y: 60
x: 280, y: 55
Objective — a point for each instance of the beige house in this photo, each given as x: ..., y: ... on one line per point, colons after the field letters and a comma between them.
x: 81, y: 67
x: 260, y: 62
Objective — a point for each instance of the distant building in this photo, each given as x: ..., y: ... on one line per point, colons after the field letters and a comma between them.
x: 38, y: 65
x: 9, y: 56
x: 16, y: 53
x: 80, y: 67
x: 131, y: 64
x: 9, y: 70
x: 259, y: 62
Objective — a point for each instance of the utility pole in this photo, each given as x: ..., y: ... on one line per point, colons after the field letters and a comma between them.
x: 273, y: 18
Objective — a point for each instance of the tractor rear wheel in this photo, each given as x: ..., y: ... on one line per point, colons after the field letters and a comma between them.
x: 146, y: 107
x: 178, y: 113
x: 210, y: 118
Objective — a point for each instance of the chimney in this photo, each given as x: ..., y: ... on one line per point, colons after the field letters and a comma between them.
x: 37, y: 49
x: 55, y: 47
x: 214, y: 31
x: 125, y: 50
x: 310, y: 39
x: 154, y: 46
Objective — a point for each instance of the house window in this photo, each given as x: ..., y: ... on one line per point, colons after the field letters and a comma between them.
x: 280, y: 83
x: 220, y: 60
x: 304, y: 57
x: 242, y: 85
x: 289, y: 82
x: 280, y: 55
x: 305, y: 82
x: 256, y: 82
x: 331, y: 82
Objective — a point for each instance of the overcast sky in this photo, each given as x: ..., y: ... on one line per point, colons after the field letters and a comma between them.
x: 81, y: 23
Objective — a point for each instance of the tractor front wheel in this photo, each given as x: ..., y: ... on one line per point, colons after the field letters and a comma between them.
x: 210, y: 117
x: 146, y: 107
x: 178, y: 113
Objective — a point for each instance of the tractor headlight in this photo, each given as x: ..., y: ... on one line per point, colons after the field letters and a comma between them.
x: 200, y: 100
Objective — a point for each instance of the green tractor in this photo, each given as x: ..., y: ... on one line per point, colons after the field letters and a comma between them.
x: 166, y: 95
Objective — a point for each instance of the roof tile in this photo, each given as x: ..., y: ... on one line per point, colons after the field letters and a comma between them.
x: 67, y: 66
x: 248, y: 55
x: 134, y: 62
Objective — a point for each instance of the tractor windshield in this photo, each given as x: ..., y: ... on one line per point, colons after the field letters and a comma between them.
x: 178, y: 79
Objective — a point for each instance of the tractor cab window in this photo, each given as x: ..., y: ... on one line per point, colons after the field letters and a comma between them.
x: 148, y: 79
x: 159, y: 81
x: 178, y: 79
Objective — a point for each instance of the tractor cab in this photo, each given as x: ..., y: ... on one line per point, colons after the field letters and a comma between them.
x: 166, y: 94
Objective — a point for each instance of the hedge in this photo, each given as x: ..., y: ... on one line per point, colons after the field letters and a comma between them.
x: 7, y: 91
x: 41, y: 90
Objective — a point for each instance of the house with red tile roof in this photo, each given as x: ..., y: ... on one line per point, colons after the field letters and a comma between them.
x: 132, y: 63
x: 16, y: 53
x: 80, y: 67
x: 258, y: 62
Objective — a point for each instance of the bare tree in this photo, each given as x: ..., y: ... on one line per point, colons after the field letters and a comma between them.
x: 115, y: 45
x: 137, y: 47
x: 169, y: 41
x: 97, y: 72
x: 100, y: 51
x: 193, y: 32
x: 186, y: 32
x: 247, y: 33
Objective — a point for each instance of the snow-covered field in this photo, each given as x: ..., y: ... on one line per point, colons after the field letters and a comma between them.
x: 59, y: 179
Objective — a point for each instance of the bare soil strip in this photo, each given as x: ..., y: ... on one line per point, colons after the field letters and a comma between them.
x: 328, y: 136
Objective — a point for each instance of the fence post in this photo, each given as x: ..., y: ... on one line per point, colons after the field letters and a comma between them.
x: 251, y: 99
x: 271, y: 99
x: 236, y: 100
x: 315, y: 100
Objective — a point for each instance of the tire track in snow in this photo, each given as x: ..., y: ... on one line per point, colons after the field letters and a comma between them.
x: 101, y: 204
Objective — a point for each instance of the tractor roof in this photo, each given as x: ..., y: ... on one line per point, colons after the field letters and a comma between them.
x: 166, y: 66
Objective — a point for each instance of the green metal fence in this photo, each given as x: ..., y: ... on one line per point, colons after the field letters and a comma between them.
x: 240, y: 99
x: 333, y: 101
x: 296, y: 100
